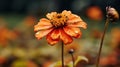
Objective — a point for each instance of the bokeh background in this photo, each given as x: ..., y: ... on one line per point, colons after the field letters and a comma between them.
x: 19, y: 47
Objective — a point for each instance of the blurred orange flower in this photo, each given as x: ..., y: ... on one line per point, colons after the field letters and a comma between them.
x: 96, y: 34
x: 108, y: 60
x: 115, y: 34
x: 94, y: 13
x: 31, y: 64
x: 6, y: 35
x: 29, y: 20
x: 2, y: 60
x: 47, y: 64
x: 59, y: 26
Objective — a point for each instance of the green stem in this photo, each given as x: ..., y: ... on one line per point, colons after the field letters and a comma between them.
x: 101, y: 43
x: 62, y: 55
x: 72, y: 58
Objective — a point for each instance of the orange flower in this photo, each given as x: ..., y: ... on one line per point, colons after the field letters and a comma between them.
x: 59, y: 26
x: 31, y: 64
x: 108, y: 60
x: 29, y: 21
x: 6, y: 35
x: 96, y: 34
x: 94, y: 13
x: 115, y: 37
x: 2, y: 60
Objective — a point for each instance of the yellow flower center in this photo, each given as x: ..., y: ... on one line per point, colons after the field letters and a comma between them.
x: 58, y: 20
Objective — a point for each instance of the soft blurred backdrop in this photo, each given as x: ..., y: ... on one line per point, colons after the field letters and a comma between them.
x: 19, y: 47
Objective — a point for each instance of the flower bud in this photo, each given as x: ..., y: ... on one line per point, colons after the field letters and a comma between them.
x: 112, y: 14
x: 71, y: 51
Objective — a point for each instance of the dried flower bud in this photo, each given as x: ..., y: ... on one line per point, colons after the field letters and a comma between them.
x: 112, y: 14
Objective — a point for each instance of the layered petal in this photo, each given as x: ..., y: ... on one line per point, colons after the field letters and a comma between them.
x: 79, y: 24
x: 42, y: 33
x: 50, y: 40
x: 59, y: 26
x: 73, y: 31
x: 55, y: 34
x: 44, y: 21
x: 73, y: 18
x: 65, y: 38
x: 42, y: 25
x: 66, y: 13
x: 51, y: 15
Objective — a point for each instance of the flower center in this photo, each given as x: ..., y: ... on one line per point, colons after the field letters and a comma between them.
x: 58, y: 20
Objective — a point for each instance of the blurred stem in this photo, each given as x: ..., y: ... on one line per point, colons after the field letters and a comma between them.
x: 62, y: 55
x: 72, y: 58
x: 101, y: 43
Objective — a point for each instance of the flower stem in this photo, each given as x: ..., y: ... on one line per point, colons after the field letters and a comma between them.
x: 101, y: 43
x: 72, y: 58
x: 62, y: 54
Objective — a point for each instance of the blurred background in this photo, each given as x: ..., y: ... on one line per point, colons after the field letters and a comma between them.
x: 19, y: 47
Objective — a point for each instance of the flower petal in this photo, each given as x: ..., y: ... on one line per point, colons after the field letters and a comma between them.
x: 50, y: 40
x: 67, y: 13
x: 65, y: 38
x: 43, y: 24
x: 42, y: 33
x: 79, y: 24
x: 55, y: 34
x: 72, y: 31
x: 73, y: 18
x: 50, y: 15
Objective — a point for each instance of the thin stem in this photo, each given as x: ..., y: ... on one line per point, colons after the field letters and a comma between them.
x: 62, y: 54
x: 72, y: 58
x: 101, y: 43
